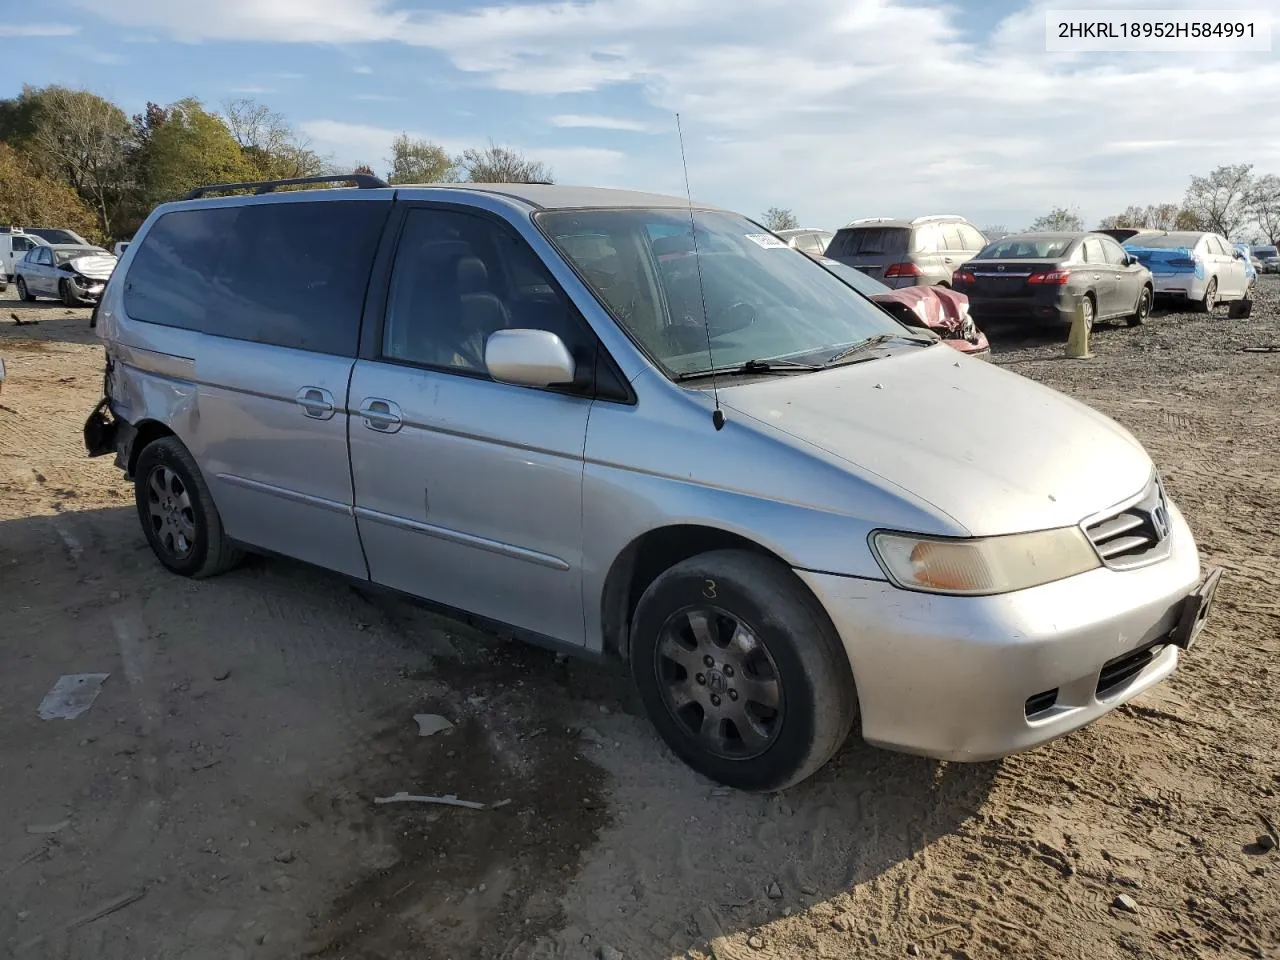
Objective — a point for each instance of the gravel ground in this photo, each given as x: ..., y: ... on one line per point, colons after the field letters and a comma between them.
x: 217, y: 799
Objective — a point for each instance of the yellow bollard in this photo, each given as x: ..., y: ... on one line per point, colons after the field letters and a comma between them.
x: 1078, y: 338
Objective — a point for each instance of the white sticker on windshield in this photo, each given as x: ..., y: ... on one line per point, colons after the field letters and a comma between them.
x: 766, y: 240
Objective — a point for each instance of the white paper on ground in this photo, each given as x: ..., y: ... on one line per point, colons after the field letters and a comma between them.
x: 71, y: 696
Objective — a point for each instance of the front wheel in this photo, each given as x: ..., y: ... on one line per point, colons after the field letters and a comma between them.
x: 741, y: 671
x: 64, y: 293
x: 178, y: 514
x: 1143, y: 310
x: 24, y: 293
x: 1210, y: 297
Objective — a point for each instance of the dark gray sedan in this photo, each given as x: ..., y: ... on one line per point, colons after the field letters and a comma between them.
x: 1046, y: 276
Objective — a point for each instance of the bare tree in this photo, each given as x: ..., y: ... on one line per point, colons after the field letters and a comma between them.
x: 1219, y: 200
x: 495, y: 164
x: 419, y: 161
x: 1263, y: 203
x: 82, y: 138
x: 269, y: 142
x: 1059, y: 218
x: 780, y: 218
x: 995, y: 232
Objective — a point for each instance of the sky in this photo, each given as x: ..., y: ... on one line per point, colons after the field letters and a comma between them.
x: 835, y: 109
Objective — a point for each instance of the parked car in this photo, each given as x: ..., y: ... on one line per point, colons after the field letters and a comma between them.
x: 945, y: 312
x: 907, y: 253
x: 1123, y: 234
x: 1048, y: 276
x: 784, y: 510
x: 1268, y: 256
x: 807, y: 239
x: 58, y: 235
x: 1252, y: 266
x: 1197, y: 266
x: 74, y: 274
x: 14, y: 245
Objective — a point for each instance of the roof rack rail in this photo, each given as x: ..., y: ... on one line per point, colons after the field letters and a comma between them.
x: 363, y: 181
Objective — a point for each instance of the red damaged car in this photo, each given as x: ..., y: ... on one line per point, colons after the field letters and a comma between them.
x: 940, y: 309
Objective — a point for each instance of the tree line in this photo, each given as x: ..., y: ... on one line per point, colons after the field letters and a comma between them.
x: 70, y: 158
x: 1231, y: 200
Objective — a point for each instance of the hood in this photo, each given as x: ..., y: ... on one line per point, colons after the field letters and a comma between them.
x: 941, y: 309
x: 95, y: 266
x: 996, y: 452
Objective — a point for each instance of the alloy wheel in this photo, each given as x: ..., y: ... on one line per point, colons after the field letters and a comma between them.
x: 172, y: 516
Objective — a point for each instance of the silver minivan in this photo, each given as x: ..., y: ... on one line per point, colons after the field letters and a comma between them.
x: 633, y: 427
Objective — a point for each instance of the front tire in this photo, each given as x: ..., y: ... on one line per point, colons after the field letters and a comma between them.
x: 1210, y: 297
x: 65, y: 294
x: 24, y: 293
x: 1143, y: 309
x: 741, y: 671
x: 178, y: 514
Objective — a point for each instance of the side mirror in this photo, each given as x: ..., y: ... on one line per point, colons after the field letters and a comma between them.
x: 528, y: 358
x: 1130, y: 260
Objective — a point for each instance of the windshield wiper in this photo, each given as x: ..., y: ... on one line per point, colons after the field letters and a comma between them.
x: 877, y: 340
x: 751, y: 366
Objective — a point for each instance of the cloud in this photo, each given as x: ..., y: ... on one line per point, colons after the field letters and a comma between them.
x: 598, y: 122
x: 836, y: 108
x: 252, y: 89
x: 376, y: 98
x: 363, y: 143
x: 362, y: 68
x: 38, y: 30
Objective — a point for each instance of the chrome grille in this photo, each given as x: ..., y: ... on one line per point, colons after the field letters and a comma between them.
x: 1135, y: 534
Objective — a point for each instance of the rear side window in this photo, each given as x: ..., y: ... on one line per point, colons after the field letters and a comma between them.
x: 869, y: 242
x: 288, y: 274
x: 1093, y: 252
x: 971, y: 237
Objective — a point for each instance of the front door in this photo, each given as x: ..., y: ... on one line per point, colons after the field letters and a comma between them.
x: 469, y: 492
x: 1127, y: 277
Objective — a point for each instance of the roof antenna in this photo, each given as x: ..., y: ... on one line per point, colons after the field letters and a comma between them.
x: 717, y: 416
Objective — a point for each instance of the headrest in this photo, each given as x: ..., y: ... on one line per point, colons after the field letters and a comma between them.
x: 665, y: 246
x: 472, y: 276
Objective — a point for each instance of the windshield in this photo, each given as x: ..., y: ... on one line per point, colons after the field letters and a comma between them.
x: 1027, y: 248
x: 1265, y: 251
x: 74, y: 253
x: 1166, y: 241
x: 763, y: 299
x: 865, y: 285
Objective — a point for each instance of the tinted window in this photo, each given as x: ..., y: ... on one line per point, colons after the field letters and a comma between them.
x: 22, y: 243
x: 1027, y: 248
x: 1265, y: 251
x: 971, y: 238
x: 288, y: 274
x: 457, y: 279
x: 1165, y: 241
x: 869, y: 242
x: 42, y: 256
x: 951, y: 237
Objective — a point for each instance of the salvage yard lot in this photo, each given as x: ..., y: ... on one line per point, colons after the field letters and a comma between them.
x: 217, y: 800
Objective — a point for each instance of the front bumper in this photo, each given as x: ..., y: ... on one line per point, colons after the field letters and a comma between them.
x: 86, y: 290
x: 968, y: 678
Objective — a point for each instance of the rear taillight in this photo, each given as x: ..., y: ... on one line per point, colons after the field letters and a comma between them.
x: 906, y: 269
x: 963, y: 277
x: 1058, y: 278
x: 1182, y: 262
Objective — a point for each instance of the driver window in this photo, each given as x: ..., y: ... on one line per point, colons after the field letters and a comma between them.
x: 457, y: 279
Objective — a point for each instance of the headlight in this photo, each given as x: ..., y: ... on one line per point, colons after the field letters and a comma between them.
x: 984, y: 566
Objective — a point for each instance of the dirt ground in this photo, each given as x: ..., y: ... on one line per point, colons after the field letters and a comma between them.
x: 218, y: 798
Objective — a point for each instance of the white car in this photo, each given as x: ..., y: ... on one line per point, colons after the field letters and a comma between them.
x: 14, y: 245
x: 74, y: 274
x: 811, y: 240
x: 1201, y: 267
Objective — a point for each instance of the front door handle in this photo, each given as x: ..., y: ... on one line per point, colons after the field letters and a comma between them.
x: 315, y: 402
x: 381, y: 415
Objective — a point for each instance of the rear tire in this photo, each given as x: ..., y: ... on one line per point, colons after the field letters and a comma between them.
x: 178, y: 514
x: 1210, y: 297
x: 1143, y: 310
x: 741, y: 671
x: 24, y: 293
x: 1090, y: 306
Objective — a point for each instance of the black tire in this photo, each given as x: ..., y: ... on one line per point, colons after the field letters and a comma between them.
x: 1143, y: 309
x: 208, y: 551
x: 1210, y: 297
x: 808, y: 669
x: 64, y: 294
x: 24, y: 293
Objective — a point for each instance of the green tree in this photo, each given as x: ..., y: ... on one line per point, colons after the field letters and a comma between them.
x: 495, y: 164
x: 269, y: 144
x: 419, y: 161
x: 28, y: 198
x: 1058, y: 219
x: 185, y: 146
x: 780, y: 218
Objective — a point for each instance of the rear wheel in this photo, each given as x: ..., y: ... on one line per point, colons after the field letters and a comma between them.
x: 1210, y: 297
x: 1090, y: 311
x: 1143, y: 309
x: 178, y: 514
x: 741, y: 671
x: 24, y: 293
